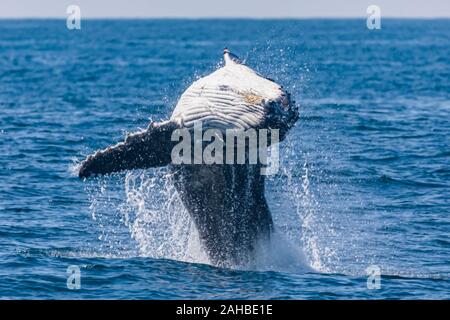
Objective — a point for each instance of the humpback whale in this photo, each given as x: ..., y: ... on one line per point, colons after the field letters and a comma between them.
x: 225, y: 201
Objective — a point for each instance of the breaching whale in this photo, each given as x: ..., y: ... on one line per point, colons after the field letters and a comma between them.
x: 225, y: 201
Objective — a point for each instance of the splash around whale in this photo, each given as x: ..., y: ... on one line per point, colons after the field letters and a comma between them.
x: 226, y: 201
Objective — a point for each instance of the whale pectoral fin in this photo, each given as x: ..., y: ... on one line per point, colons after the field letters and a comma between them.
x: 149, y: 148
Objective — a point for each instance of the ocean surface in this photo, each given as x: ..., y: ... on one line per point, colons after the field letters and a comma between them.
x: 364, y: 181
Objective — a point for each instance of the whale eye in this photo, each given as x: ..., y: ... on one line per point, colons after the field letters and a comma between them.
x: 286, y: 101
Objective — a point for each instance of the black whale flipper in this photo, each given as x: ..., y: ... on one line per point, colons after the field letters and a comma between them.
x: 149, y: 148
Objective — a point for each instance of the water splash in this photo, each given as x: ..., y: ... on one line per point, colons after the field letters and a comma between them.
x: 157, y: 219
x: 142, y: 215
x: 309, y: 217
x: 298, y: 212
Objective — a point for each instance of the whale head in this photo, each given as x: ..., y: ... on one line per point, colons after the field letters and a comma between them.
x: 236, y: 97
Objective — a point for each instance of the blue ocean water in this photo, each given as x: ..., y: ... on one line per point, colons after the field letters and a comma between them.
x: 364, y: 179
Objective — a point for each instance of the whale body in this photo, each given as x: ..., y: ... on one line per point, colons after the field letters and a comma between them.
x: 225, y: 201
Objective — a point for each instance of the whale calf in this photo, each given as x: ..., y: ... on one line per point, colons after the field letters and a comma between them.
x: 226, y: 201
